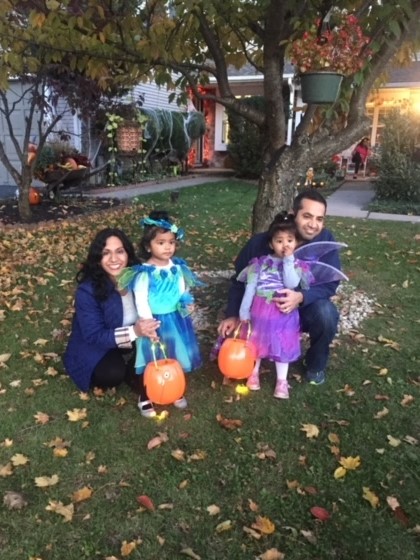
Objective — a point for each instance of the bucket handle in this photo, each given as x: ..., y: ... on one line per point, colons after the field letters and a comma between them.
x: 238, y: 330
x: 161, y: 347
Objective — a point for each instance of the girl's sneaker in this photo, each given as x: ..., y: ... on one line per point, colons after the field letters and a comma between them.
x: 253, y: 382
x: 282, y: 389
x: 181, y: 403
x: 146, y: 409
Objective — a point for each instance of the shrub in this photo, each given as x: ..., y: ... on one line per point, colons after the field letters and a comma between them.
x: 399, y: 171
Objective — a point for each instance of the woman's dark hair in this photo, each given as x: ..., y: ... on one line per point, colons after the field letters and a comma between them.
x: 283, y: 222
x: 91, y: 268
x: 150, y: 232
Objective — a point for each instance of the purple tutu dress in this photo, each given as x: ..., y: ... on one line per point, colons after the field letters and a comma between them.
x: 276, y: 335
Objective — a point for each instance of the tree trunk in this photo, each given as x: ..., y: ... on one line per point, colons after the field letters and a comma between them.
x: 25, y: 212
x: 276, y: 190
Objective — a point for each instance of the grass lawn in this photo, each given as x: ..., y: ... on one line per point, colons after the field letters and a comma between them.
x: 78, y: 463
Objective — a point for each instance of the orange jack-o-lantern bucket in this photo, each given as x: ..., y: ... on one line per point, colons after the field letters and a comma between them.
x: 164, y: 380
x: 34, y: 196
x: 237, y: 356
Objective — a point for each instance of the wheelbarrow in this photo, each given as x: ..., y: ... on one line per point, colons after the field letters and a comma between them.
x: 58, y: 179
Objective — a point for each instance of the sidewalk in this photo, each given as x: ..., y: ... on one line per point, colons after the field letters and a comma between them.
x: 348, y: 201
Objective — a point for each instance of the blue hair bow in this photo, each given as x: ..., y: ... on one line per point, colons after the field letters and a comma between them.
x: 164, y: 224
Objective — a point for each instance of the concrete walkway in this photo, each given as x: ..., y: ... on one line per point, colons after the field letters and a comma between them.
x: 349, y: 200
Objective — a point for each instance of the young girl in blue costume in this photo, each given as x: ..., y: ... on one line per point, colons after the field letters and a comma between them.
x: 276, y: 334
x: 160, y: 287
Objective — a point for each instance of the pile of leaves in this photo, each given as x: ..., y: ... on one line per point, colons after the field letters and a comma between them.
x: 67, y: 208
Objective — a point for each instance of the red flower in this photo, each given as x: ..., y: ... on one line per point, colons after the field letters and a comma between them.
x: 337, y: 49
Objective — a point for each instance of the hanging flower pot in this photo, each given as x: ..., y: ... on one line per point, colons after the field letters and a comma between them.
x: 320, y: 87
x: 129, y: 138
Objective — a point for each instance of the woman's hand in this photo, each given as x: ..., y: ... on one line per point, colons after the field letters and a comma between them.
x: 147, y: 327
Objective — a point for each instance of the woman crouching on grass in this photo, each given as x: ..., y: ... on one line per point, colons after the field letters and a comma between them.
x: 99, y: 352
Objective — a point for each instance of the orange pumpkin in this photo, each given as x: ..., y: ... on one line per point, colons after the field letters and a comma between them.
x: 34, y: 196
x: 164, y: 381
x: 236, y: 358
x: 71, y: 163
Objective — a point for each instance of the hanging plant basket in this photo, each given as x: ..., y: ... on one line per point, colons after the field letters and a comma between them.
x: 128, y: 138
x: 320, y: 87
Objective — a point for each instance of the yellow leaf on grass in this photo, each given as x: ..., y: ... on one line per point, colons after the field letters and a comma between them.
x: 333, y: 438
x: 18, y: 460
x: 392, y: 502
x: 370, y: 496
x: 6, y: 443
x: 350, y: 463
x: 76, y: 414
x: 183, y: 484
x: 264, y: 525
x: 6, y: 470
x: 128, y: 547
x: 311, y: 430
x: 252, y: 505
x: 178, y: 454
x: 213, y: 509
x: 190, y: 553
x: 224, y: 526
x: 59, y: 508
x: 3, y: 359
x: 252, y: 533
x: 271, y: 554
x: 40, y: 342
x: 60, y: 452
x: 41, y: 418
x: 381, y: 413
x: 340, y: 472
x: 84, y: 493
x: 45, y: 481
x: 407, y: 400
x: 199, y: 455
x: 394, y: 442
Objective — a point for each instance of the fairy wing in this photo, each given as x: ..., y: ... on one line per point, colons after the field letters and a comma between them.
x: 314, y: 251
x: 314, y: 271
x: 190, y: 278
x: 128, y: 276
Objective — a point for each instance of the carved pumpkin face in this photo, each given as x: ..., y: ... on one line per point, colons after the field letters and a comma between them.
x: 237, y: 358
x: 34, y: 196
x: 164, y: 381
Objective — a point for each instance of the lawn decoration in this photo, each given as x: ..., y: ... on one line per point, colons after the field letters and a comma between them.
x: 237, y: 356
x: 34, y: 196
x: 164, y: 379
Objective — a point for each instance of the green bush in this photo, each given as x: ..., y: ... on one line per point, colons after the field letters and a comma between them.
x: 399, y: 172
x: 245, y: 142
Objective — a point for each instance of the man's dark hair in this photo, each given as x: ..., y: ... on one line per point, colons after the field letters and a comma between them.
x: 310, y: 194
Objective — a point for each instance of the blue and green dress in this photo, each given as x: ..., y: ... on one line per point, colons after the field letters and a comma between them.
x: 162, y: 292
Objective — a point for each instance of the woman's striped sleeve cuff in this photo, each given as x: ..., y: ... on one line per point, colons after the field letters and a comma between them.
x: 122, y: 337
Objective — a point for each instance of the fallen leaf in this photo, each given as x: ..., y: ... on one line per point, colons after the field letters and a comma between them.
x: 411, y: 440
x: 309, y: 536
x: 350, y: 463
x: 252, y: 533
x: 370, y: 496
x: 3, y: 359
x: 127, y: 548
x: 167, y: 506
x: 76, y: 414
x: 392, y: 502
x: 146, y: 502
x: 45, y: 481
x: 253, y: 506
x: 381, y: 413
x: 228, y: 423
x: 178, y: 454
x: 264, y: 525
x: 84, y: 493
x: 213, y: 509
x: 14, y: 500
x: 198, y: 456
x: 183, y: 484
x: 41, y: 418
x: 60, y: 452
x: 59, y: 508
x: 157, y: 440
x: 407, y: 400
x: 19, y: 459
x: 320, y: 513
x: 333, y: 438
x: 394, y: 442
x: 190, y: 553
x: 224, y: 526
x: 311, y: 430
x: 6, y: 470
x: 340, y: 472
x: 271, y: 554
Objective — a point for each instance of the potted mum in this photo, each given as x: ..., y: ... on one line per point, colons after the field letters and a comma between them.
x: 327, y: 52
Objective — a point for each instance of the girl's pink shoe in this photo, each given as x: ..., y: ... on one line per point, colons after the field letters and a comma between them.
x: 253, y: 382
x: 282, y: 389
